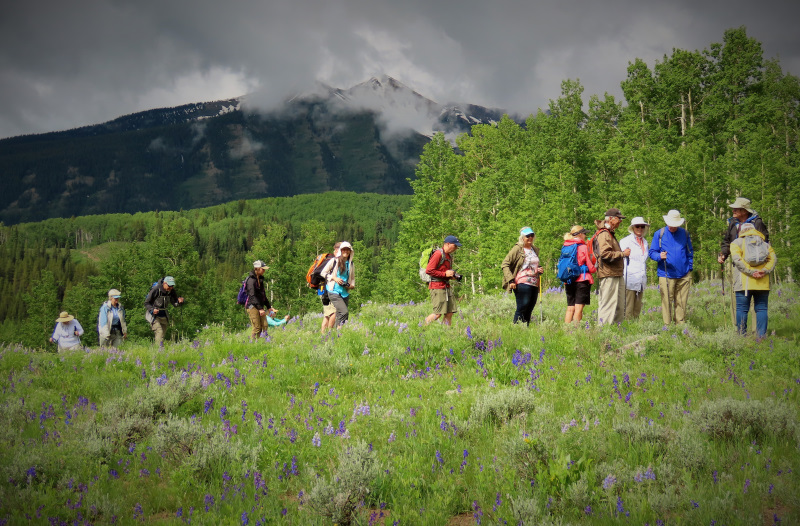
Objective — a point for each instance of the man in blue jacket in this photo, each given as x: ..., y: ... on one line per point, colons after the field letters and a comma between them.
x: 672, y: 250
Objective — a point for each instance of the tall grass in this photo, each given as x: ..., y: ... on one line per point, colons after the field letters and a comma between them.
x: 389, y: 422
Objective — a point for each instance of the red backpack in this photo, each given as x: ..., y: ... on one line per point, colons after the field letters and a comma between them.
x: 593, y: 248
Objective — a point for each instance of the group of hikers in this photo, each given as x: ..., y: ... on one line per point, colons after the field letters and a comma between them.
x: 618, y: 266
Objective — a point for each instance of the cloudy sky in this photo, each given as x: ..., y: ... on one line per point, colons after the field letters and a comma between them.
x: 70, y: 63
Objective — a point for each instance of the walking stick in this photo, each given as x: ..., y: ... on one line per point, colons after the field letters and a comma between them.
x: 541, y: 298
x: 625, y: 290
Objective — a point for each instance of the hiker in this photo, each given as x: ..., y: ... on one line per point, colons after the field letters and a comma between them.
x: 743, y: 213
x: 160, y: 296
x: 328, y: 310
x: 578, y: 291
x: 672, y: 250
x: 753, y: 259
x: 340, y: 278
x: 258, y: 306
x: 635, y: 266
x: 111, y: 326
x: 610, y: 268
x: 67, y: 333
x: 521, y: 273
x: 440, y: 269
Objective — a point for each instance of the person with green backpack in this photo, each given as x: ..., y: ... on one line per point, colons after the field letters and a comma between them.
x: 753, y: 260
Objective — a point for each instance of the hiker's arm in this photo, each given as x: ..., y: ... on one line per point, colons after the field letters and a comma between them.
x: 433, y: 265
x: 508, y: 276
x: 690, y: 249
x: 739, y: 262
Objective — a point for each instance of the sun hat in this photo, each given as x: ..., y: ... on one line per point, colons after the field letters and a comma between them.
x: 259, y: 264
x: 114, y: 293
x: 673, y: 218
x: 453, y: 240
x: 169, y: 280
x: 742, y: 202
x: 345, y: 244
x: 577, y: 230
x: 638, y: 220
x: 614, y: 212
x: 65, y: 317
x: 526, y: 231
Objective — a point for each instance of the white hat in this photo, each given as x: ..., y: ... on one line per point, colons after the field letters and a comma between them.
x: 673, y: 218
x: 743, y: 202
x: 638, y: 220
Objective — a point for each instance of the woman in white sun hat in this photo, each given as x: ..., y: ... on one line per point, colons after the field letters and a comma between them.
x: 672, y: 250
x: 635, y: 266
x: 67, y: 333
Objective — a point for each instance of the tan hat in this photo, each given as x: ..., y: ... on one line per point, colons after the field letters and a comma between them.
x: 742, y: 202
x: 114, y: 293
x: 65, y: 317
x: 673, y: 218
x: 577, y: 230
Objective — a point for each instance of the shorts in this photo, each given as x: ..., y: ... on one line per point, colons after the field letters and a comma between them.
x: 578, y: 293
x: 328, y: 310
x: 443, y: 301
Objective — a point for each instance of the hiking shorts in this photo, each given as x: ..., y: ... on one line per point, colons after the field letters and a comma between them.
x: 578, y: 292
x: 443, y: 301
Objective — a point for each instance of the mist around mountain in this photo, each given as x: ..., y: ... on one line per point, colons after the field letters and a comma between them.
x: 367, y: 138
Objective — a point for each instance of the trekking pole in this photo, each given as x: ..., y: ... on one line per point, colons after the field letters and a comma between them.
x: 625, y: 290
x: 541, y: 298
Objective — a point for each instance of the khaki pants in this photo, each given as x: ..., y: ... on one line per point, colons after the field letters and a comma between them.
x: 112, y: 340
x: 611, y: 300
x: 674, y: 297
x: 633, y: 304
x: 258, y: 323
x: 160, y: 326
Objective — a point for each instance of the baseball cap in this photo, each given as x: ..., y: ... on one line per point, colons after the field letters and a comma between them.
x: 169, y: 280
x: 452, y: 239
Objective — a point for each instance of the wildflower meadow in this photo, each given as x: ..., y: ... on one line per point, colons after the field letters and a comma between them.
x: 389, y: 422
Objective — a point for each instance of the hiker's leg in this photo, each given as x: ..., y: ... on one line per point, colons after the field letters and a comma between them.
x: 760, y: 304
x: 663, y: 289
x: 682, y: 287
x: 742, y: 309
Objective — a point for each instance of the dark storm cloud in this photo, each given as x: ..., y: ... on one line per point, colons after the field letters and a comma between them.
x: 66, y: 64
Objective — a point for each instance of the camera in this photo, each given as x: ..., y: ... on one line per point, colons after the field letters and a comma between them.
x: 458, y: 277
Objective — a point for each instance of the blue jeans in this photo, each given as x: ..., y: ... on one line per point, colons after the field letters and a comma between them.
x: 760, y: 303
x: 526, y: 300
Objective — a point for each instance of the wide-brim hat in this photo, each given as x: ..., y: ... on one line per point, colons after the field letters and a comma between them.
x: 64, y: 317
x: 638, y: 220
x: 577, y: 230
x: 114, y: 293
x: 742, y: 202
x: 673, y: 218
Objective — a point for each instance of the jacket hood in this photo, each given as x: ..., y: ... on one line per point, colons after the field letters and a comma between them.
x: 751, y: 219
x: 752, y: 232
x: 573, y: 240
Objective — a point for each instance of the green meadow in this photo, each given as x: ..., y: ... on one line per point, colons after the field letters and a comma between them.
x: 386, y: 421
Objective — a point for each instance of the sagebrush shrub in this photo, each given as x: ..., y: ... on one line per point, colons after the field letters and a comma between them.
x: 727, y: 418
x: 337, y: 498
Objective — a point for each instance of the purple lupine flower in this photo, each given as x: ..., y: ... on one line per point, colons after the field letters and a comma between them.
x: 609, y: 481
x: 209, y: 502
x: 746, y: 485
x: 588, y: 510
x: 223, y: 412
x: 392, y: 437
x: 316, y: 440
x: 439, y: 457
x: 245, y: 519
x: 621, y: 508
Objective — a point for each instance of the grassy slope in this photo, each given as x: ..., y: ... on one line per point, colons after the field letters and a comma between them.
x: 460, y: 423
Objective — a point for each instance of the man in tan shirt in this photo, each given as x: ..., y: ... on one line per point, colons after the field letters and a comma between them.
x: 610, y: 268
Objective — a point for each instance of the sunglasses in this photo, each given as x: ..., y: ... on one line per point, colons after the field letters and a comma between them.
x: 638, y: 226
x: 530, y: 235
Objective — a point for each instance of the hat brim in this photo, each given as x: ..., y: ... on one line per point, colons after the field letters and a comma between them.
x: 66, y: 319
x: 674, y: 223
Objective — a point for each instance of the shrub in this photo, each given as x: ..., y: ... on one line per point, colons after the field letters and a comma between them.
x: 338, y: 498
x: 640, y: 432
x: 219, y: 451
x: 176, y: 438
x: 728, y: 418
x: 501, y: 406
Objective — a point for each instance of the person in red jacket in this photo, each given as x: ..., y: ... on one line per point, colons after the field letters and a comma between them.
x: 440, y: 269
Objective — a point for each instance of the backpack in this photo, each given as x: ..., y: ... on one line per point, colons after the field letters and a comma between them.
x: 424, y: 259
x: 594, y: 248
x: 568, y: 268
x: 756, y: 250
x: 313, y: 277
x: 242, y: 297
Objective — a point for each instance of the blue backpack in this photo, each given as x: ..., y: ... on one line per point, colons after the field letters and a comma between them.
x: 242, y: 297
x: 568, y: 268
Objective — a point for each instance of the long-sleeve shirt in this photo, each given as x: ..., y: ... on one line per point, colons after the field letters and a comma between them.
x: 64, y: 333
x: 636, y: 263
x: 680, y: 254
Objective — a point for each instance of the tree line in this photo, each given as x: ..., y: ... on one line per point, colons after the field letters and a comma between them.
x: 698, y: 129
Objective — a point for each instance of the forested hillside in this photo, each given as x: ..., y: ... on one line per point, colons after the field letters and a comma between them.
x: 699, y: 128
x: 71, y: 263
